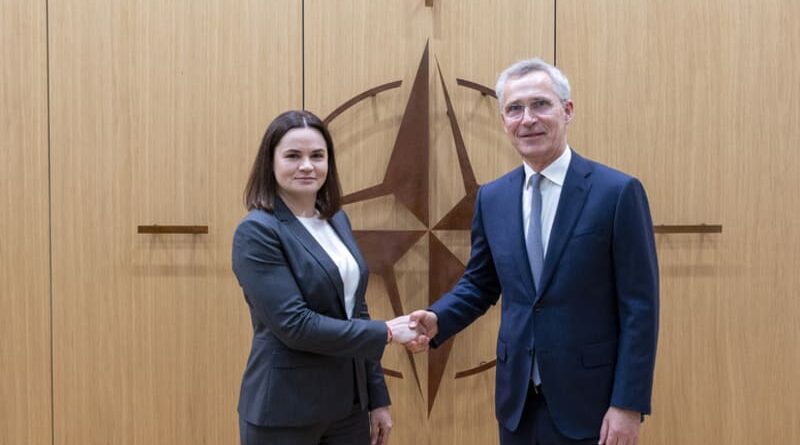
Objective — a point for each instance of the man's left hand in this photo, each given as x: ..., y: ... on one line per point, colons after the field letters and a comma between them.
x: 620, y: 427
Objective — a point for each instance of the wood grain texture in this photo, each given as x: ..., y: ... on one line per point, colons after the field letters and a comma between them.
x: 354, y: 45
x: 158, y: 109
x: 693, y: 98
x: 25, y: 394
x: 476, y: 41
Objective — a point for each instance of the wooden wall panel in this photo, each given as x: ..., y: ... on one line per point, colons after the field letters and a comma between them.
x: 25, y: 406
x: 354, y: 45
x: 158, y: 109
x: 475, y: 41
x: 695, y: 99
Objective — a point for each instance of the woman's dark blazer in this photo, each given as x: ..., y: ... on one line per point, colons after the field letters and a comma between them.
x: 308, y: 362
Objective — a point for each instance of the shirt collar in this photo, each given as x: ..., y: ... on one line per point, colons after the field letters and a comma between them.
x: 555, y: 172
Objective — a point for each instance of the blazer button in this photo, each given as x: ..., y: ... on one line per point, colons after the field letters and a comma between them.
x: 538, y: 308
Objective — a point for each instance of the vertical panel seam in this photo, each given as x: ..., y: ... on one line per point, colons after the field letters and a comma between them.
x: 555, y: 32
x: 50, y: 219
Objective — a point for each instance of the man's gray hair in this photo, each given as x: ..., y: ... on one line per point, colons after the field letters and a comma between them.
x: 523, y: 67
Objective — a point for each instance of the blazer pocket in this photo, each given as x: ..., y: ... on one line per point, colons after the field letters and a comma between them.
x: 306, y: 395
x: 600, y: 354
x: 591, y: 230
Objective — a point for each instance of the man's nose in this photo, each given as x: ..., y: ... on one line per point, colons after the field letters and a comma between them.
x: 528, y: 116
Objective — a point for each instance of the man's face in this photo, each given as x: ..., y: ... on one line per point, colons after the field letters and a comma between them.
x: 535, y: 118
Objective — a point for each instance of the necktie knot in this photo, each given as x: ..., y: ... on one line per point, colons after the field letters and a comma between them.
x: 536, y: 180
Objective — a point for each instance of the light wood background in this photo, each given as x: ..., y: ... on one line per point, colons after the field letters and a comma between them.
x: 355, y: 45
x: 25, y: 391
x: 700, y: 101
x: 156, y: 110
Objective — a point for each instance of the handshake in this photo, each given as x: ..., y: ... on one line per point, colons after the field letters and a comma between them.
x: 414, y: 331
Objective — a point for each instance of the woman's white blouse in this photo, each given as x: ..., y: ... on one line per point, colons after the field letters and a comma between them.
x: 338, y: 252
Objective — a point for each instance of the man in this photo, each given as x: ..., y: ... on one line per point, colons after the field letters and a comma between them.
x: 569, y: 244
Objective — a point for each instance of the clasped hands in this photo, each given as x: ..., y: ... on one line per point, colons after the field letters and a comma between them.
x: 415, y: 330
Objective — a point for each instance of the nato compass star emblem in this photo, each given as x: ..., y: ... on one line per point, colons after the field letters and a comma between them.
x: 406, y: 178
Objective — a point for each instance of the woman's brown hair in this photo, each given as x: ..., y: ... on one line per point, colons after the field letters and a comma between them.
x: 262, y: 188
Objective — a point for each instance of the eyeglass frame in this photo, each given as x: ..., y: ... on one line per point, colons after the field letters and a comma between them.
x: 532, y: 108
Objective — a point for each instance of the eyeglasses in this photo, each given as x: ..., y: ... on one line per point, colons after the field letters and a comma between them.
x: 538, y: 107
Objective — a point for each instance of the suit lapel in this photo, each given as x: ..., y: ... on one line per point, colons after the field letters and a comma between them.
x: 573, y: 196
x: 311, y: 245
x: 342, y: 228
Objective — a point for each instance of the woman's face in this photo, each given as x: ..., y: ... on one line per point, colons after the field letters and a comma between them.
x: 301, y: 163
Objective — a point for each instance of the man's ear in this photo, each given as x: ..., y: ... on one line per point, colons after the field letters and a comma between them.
x: 569, y: 111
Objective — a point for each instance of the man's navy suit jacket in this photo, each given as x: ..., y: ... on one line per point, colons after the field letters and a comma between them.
x: 309, y: 363
x: 595, y: 318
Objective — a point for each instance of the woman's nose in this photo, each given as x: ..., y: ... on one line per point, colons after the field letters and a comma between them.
x: 306, y: 164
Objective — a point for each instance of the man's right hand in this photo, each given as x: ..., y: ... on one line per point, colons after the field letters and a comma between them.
x: 426, y: 323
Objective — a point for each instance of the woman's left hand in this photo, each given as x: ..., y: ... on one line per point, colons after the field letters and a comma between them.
x: 380, y: 422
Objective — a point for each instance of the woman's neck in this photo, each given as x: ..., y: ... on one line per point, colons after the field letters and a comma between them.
x: 300, y: 206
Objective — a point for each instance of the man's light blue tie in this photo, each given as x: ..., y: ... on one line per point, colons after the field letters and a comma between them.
x: 534, y: 241
x: 535, y: 250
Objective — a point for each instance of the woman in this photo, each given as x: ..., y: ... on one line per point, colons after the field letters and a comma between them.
x: 313, y: 375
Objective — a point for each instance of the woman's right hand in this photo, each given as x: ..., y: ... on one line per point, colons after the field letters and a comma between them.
x: 400, y: 330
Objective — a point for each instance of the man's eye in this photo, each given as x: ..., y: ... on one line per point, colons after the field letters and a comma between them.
x: 540, y: 104
x: 513, y: 108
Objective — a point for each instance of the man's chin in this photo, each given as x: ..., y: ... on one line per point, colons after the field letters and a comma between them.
x: 531, y: 151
